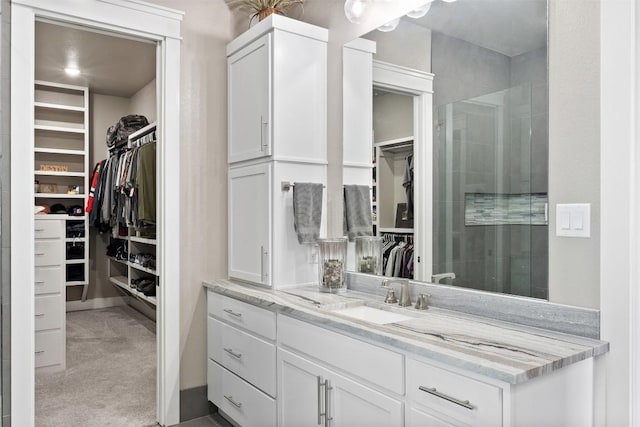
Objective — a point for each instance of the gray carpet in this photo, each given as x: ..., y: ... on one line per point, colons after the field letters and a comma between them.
x: 110, y: 378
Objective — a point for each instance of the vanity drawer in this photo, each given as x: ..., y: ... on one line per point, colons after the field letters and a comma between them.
x: 245, y: 355
x: 460, y: 399
x: 49, y: 312
x: 49, y: 348
x: 48, y: 280
x: 245, y: 404
x: 257, y: 320
x: 371, y: 363
x: 48, y: 252
x: 48, y: 229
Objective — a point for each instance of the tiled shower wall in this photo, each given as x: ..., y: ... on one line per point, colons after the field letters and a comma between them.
x: 5, y: 40
x: 506, y: 258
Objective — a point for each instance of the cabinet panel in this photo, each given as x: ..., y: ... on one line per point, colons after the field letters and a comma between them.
x: 417, y: 418
x: 245, y: 404
x: 249, y: 219
x: 382, y: 367
x: 463, y: 399
x: 49, y: 312
x: 49, y: 348
x: 245, y: 355
x: 48, y: 252
x: 48, y: 280
x: 257, y: 320
x: 48, y: 229
x: 249, y: 75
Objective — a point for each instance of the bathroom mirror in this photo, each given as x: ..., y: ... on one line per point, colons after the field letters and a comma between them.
x: 487, y: 142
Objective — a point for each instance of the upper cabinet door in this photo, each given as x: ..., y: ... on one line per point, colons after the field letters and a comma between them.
x: 249, y: 98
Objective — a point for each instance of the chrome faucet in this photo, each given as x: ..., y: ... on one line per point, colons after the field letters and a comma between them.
x: 437, y: 278
x: 405, y: 299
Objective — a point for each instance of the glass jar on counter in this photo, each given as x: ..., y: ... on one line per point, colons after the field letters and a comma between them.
x: 369, y: 255
x: 332, y: 257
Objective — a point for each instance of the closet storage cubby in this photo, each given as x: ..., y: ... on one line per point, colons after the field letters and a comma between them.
x: 135, y: 265
x: 277, y: 83
x: 61, y: 144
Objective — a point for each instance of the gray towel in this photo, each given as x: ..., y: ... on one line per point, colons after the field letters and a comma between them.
x: 357, y: 211
x: 307, y: 211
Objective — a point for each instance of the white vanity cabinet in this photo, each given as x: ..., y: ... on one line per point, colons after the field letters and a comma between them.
x: 241, y: 371
x: 277, y: 91
x: 323, y: 380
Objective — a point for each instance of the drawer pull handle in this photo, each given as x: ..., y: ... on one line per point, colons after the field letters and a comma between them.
x: 40, y: 352
x: 433, y: 391
x: 231, y: 312
x: 233, y: 402
x: 39, y: 282
x: 40, y: 315
x: 233, y: 353
x: 39, y: 253
x: 39, y: 229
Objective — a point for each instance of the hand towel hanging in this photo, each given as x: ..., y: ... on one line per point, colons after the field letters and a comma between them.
x: 307, y: 211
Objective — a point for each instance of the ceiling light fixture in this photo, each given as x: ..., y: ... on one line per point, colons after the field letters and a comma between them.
x: 354, y: 10
x: 72, y: 71
x: 389, y: 26
x: 420, y: 12
x: 448, y: 1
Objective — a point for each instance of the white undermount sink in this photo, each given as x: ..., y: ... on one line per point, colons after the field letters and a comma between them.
x: 371, y: 314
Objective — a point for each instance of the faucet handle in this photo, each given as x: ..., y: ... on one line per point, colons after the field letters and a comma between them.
x: 391, y: 297
x: 421, y: 303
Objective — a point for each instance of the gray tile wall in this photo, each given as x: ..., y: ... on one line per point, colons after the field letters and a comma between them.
x: 505, y: 258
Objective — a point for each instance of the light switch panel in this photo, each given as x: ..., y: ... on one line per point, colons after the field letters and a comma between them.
x: 573, y: 220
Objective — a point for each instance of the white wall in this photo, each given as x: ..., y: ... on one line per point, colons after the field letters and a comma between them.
x: 409, y: 45
x: 206, y: 29
x: 144, y: 102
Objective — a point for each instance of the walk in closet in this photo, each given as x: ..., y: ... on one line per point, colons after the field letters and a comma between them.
x: 393, y: 199
x: 95, y: 224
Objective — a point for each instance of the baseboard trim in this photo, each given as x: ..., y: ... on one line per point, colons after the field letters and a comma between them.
x: 195, y: 404
x: 95, y: 303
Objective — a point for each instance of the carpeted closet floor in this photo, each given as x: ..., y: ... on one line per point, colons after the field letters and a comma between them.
x: 110, y: 378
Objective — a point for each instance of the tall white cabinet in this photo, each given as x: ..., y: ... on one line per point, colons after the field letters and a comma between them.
x: 61, y: 177
x: 277, y: 83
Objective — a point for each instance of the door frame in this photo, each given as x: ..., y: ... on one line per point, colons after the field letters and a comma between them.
x: 128, y: 18
x: 418, y: 84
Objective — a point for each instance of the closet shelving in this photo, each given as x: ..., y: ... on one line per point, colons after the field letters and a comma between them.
x: 121, y: 272
x: 61, y: 162
x: 389, y: 167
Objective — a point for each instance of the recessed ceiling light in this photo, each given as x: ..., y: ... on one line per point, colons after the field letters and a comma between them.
x: 72, y: 71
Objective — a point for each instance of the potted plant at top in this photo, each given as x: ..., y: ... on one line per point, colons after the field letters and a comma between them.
x: 263, y: 8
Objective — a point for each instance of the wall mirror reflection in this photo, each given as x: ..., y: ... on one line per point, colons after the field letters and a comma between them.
x: 486, y: 170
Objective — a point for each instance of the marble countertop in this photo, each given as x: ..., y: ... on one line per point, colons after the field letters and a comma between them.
x: 500, y: 350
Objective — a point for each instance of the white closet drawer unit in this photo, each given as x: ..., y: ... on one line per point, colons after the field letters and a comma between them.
x: 48, y: 252
x: 382, y: 367
x: 451, y: 397
x: 245, y: 355
x: 254, y: 319
x: 48, y: 229
x: 49, y: 348
x: 49, y: 312
x: 245, y: 404
x: 48, y: 280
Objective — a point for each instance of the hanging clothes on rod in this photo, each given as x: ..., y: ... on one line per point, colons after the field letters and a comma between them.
x: 397, y: 256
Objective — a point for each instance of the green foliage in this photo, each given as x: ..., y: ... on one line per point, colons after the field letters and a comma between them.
x: 279, y: 5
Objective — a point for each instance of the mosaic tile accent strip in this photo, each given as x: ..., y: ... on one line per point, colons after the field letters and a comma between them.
x: 505, y: 209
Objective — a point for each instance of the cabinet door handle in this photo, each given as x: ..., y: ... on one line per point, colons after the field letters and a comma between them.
x: 319, y: 390
x: 327, y: 389
x: 231, y: 312
x: 39, y: 282
x: 233, y: 353
x: 39, y: 229
x: 39, y: 352
x: 233, y: 402
x: 433, y: 391
x: 263, y: 253
x: 263, y: 124
x: 39, y: 253
x: 40, y: 315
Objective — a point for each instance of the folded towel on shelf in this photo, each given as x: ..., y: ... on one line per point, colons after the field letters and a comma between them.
x: 357, y: 211
x: 307, y: 211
